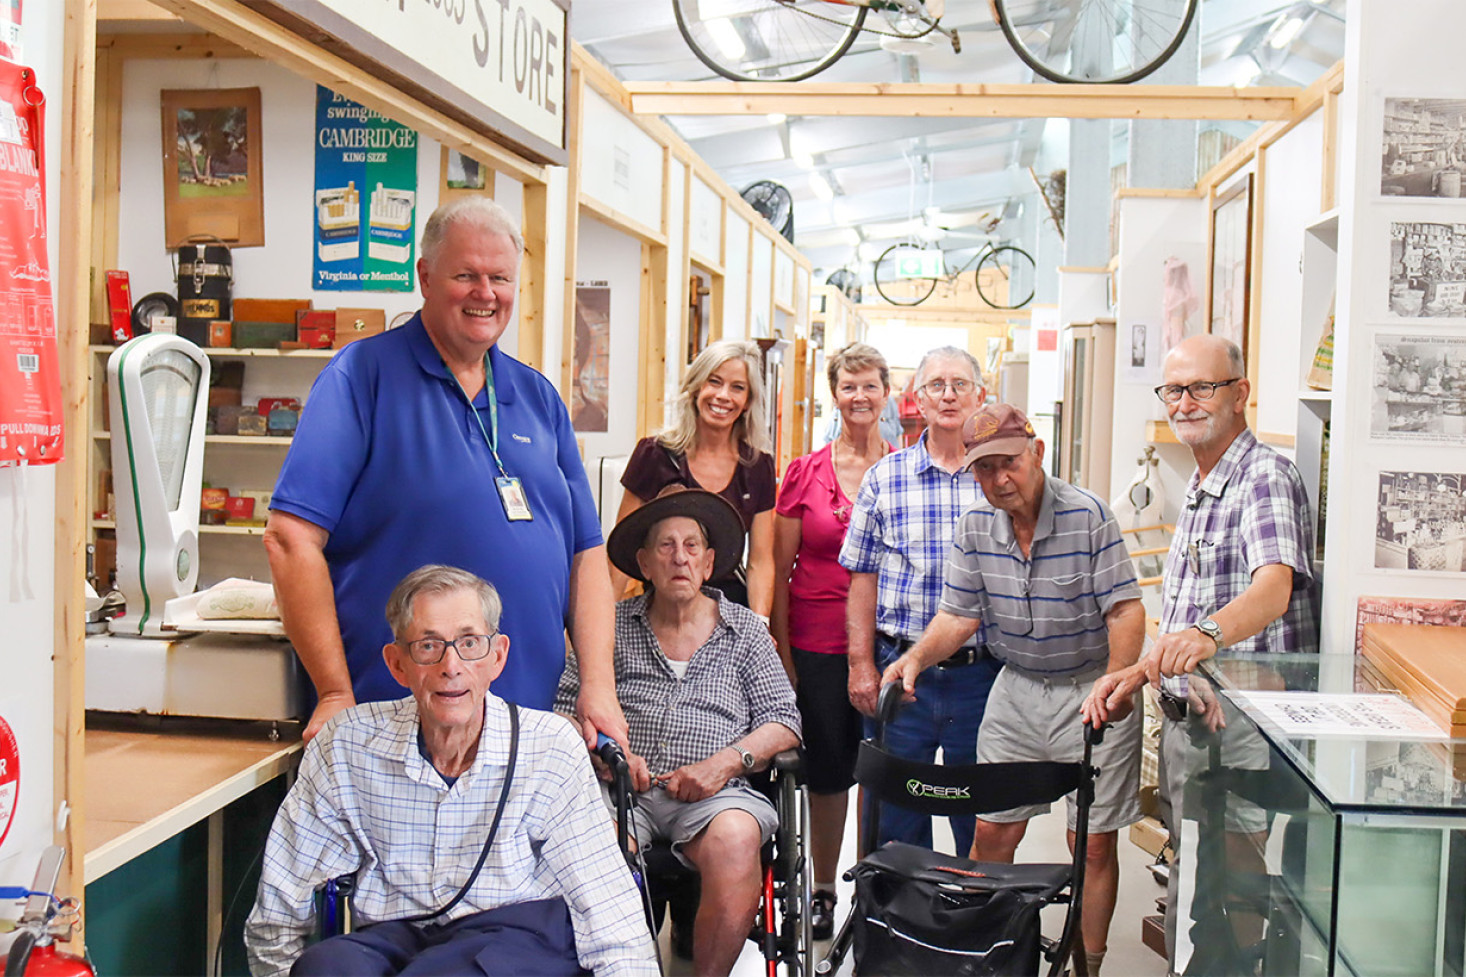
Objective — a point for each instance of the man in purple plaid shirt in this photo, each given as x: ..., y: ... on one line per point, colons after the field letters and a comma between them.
x: 1240, y: 571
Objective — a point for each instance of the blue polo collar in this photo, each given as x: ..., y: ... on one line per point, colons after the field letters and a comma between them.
x: 431, y: 361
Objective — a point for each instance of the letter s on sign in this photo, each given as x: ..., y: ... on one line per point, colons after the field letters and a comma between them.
x: 481, y: 52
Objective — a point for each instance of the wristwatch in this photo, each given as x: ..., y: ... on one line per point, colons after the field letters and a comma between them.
x: 747, y: 758
x: 1212, y: 630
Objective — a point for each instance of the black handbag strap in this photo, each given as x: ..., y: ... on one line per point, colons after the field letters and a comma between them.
x: 493, y: 828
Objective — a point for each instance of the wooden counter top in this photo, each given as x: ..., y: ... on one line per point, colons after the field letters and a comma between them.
x: 145, y: 787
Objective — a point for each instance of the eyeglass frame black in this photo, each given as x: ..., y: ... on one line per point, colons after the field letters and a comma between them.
x: 1185, y: 388
x: 450, y: 643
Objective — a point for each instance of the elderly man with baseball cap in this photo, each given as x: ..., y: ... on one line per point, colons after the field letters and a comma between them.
x: 1040, y: 565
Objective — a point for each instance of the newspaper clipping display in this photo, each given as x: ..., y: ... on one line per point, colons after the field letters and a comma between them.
x: 1419, y: 389
x: 1421, y: 522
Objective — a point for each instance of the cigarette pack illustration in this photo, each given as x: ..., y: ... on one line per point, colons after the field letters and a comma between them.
x: 389, y: 234
x: 338, y: 223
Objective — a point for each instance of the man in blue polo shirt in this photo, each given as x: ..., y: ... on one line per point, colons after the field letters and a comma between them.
x: 1041, y: 565
x: 429, y: 444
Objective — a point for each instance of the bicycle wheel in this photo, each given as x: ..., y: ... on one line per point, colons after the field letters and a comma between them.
x: 1094, y: 41
x: 768, y: 40
x: 893, y: 286
x: 1005, y: 277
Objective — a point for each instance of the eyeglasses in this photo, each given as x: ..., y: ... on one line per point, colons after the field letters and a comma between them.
x: 470, y: 648
x: 1170, y: 393
x: 935, y: 388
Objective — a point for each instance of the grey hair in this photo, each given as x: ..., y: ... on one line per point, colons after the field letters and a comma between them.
x: 1235, y: 365
x: 436, y: 579
x: 855, y: 358
x: 750, y: 428
x: 477, y: 211
x: 946, y: 353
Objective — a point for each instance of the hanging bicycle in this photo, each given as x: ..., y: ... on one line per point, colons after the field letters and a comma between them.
x: 1081, y: 41
x: 907, y: 274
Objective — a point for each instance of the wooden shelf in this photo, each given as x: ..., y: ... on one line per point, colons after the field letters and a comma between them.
x: 248, y: 439
x: 1316, y: 396
x: 1159, y: 432
x: 303, y: 354
x: 203, y: 529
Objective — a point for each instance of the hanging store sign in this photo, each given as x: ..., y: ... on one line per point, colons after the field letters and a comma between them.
x: 366, y: 198
x: 499, y: 66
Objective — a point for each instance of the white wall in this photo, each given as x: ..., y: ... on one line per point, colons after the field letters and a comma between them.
x: 1151, y: 230
x: 736, y: 276
x: 283, y: 267
x: 27, y: 527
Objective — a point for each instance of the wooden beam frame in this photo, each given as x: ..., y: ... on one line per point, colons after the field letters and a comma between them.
x: 963, y: 101
x: 269, y: 40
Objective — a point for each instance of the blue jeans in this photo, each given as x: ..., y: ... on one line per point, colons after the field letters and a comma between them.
x: 947, y: 713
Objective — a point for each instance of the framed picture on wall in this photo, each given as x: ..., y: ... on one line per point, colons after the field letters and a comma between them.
x: 459, y: 175
x: 213, y: 183
x: 1231, y: 262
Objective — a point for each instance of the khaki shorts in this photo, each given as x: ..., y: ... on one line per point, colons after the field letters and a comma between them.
x: 1032, y: 718
x: 658, y: 816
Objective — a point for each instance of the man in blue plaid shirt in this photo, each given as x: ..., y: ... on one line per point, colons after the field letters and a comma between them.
x: 901, y: 533
x: 1239, y: 574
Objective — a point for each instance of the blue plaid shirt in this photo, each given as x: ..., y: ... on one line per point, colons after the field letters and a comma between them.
x: 902, y: 528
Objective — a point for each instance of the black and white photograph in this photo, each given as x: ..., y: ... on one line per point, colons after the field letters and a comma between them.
x: 1419, y: 389
x: 1421, y: 523
x: 1427, y: 269
x: 1423, y: 147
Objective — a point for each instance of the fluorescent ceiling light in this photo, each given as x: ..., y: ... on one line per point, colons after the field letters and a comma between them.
x: 1284, y: 30
x: 776, y: 118
x: 725, y: 36
x: 1247, y: 73
x: 821, y: 187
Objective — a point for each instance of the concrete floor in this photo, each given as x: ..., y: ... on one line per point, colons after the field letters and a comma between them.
x: 1045, y: 842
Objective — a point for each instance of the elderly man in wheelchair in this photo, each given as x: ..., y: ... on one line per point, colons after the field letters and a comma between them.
x: 475, y: 829
x: 707, y: 703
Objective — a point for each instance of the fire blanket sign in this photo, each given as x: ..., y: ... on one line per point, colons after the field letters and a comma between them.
x: 30, y: 381
x: 366, y: 195
x: 9, y: 778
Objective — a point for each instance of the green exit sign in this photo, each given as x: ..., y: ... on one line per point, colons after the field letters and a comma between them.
x: 920, y: 264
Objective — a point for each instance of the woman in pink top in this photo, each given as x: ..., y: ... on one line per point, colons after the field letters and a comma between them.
x: 810, y: 587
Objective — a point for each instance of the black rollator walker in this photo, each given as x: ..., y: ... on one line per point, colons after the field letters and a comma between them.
x: 919, y: 912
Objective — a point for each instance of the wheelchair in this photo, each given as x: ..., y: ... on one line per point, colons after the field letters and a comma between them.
x: 782, y: 928
x: 922, y: 913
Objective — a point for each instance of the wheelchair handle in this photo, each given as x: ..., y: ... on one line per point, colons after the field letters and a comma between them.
x: 889, y: 702
x: 1094, y: 736
x: 611, y: 754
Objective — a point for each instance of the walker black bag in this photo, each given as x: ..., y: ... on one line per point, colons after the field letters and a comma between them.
x: 919, y: 912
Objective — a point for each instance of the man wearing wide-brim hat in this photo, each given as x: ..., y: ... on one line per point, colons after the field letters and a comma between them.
x: 707, y: 702
x: 1040, y: 567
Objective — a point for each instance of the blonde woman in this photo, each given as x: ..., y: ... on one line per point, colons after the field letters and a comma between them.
x: 719, y: 442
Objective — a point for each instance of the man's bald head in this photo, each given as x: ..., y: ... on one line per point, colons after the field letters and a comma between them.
x: 1208, y: 353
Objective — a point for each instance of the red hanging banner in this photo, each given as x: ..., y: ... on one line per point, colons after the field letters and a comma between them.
x: 30, y: 384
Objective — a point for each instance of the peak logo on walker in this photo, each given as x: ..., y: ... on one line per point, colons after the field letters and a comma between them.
x: 918, y: 789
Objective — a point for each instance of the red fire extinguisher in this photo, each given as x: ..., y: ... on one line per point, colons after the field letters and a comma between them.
x: 46, y: 919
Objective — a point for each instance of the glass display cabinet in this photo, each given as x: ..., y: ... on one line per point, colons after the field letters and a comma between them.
x: 1325, y: 854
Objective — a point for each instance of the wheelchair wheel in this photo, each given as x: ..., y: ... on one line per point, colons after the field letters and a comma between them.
x: 796, y: 933
x: 768, y: 40
x: 1125, y: 40
x: 1005, y: 277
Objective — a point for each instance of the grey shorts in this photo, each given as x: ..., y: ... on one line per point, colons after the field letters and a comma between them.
x: 658, y: 816
x: 1030, y: 718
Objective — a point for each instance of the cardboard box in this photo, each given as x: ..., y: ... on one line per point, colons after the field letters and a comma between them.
x: 261, y: 335
x: 316, y: 328
x: 354, y: 324
x: 1150, y: 836
x: 239, y: 507
x: 119, y: 305
x: 284, y: 311
x: 221, y: 334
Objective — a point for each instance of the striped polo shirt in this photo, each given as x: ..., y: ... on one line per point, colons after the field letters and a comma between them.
x: 1044, y: 614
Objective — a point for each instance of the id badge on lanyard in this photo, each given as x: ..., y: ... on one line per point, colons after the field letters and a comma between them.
x: 510, y: 488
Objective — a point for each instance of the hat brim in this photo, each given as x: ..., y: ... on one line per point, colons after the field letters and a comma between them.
x: 722, y: 523
x: 997, y: 446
